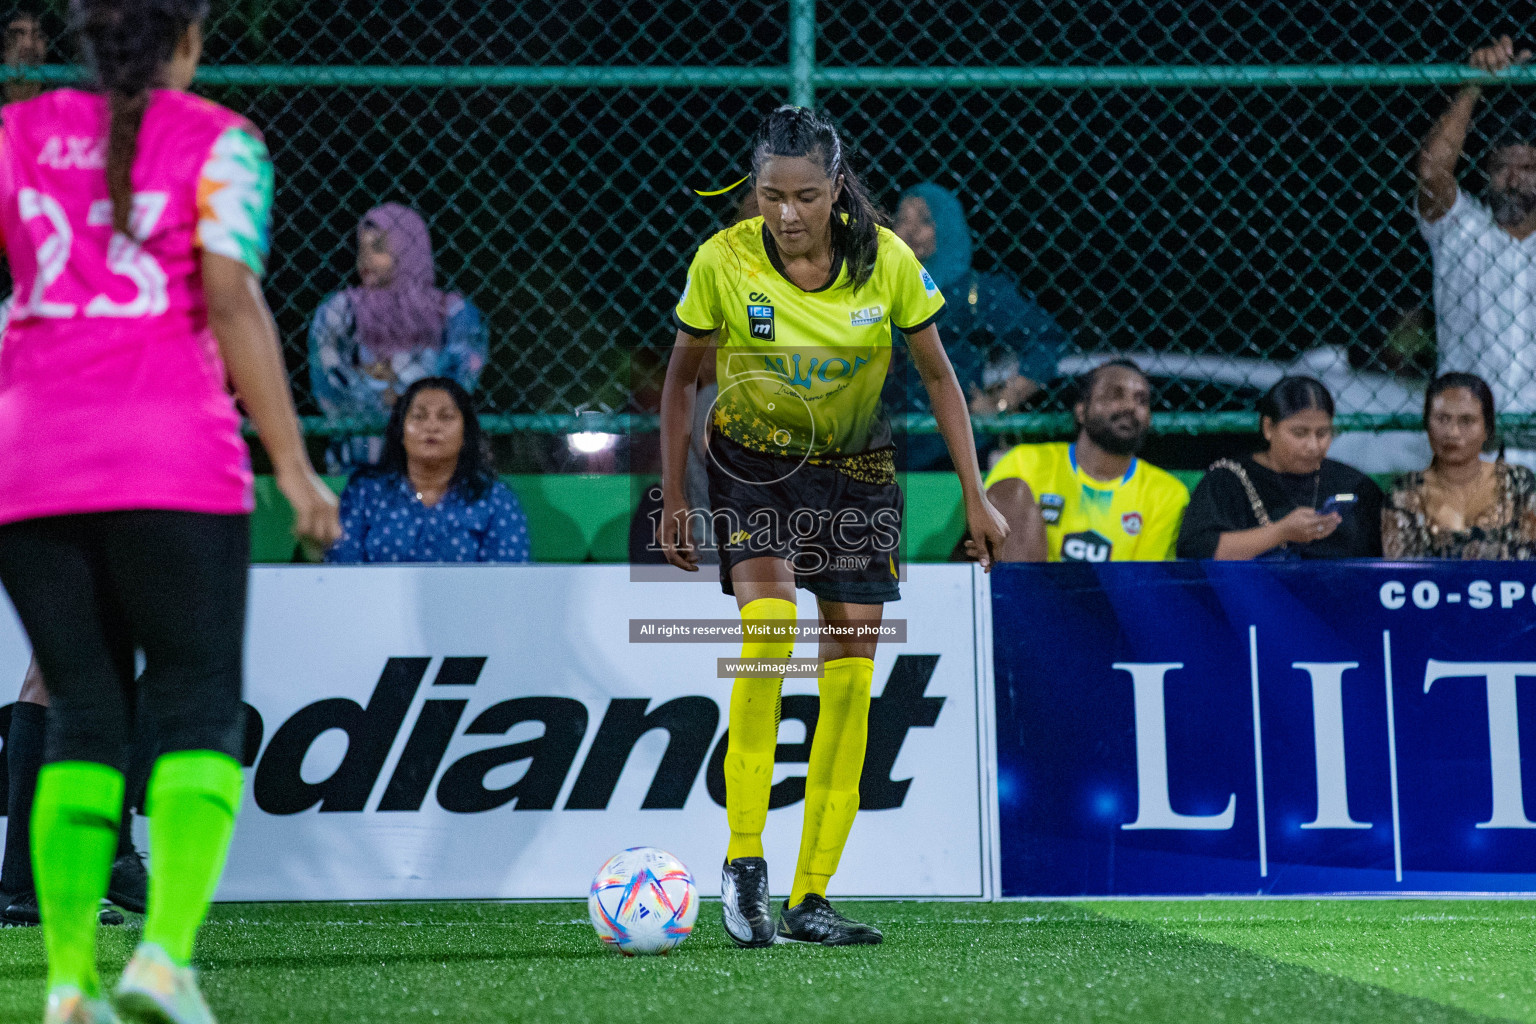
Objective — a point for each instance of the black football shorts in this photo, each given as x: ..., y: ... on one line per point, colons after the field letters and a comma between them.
x: 839, y: 526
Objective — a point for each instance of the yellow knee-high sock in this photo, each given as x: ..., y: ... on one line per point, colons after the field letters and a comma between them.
x: 832, y: 778
x: 754, y: 732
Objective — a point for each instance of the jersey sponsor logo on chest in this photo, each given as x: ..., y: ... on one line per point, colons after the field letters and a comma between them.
x: 1088, y: 546
x: 828, y: 371
x: 866, y: 316
x: 1130, y: 522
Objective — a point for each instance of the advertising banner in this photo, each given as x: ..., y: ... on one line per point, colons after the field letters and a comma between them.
x: 426, y: 732
x: 1279, y: 728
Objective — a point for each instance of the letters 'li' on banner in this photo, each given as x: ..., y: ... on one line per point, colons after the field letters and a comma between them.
x: 1225, y: 728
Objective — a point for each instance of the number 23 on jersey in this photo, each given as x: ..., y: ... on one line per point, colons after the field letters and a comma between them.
x: 125, y: 258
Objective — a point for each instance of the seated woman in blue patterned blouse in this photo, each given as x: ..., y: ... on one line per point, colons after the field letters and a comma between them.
x: 434, y: 496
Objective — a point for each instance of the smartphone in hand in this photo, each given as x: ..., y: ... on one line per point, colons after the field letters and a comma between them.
x: 1340, y: 503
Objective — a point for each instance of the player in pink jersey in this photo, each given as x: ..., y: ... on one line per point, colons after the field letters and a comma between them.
x: 135, y: 219
x: 26, y: 45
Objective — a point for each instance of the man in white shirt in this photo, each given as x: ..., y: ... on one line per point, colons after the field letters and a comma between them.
x: 1484, y: 252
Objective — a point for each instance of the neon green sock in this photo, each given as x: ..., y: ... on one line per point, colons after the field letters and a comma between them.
x: 832, y: 776
x: 754, y: 733
x: 193, y: 798
x: 75, y: 816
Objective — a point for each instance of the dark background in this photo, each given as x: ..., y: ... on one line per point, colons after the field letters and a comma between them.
x: 1252, y: 222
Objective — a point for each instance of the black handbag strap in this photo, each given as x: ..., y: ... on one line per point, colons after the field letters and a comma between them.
x: 1237, y: 469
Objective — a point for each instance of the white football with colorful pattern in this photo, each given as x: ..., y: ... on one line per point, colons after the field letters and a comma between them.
x: 643, y: 902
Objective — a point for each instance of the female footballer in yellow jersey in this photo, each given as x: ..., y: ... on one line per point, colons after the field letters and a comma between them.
x: 797, y: 307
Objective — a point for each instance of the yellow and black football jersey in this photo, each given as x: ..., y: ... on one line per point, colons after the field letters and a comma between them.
x: 800, y: 371
x: 1134, y: 518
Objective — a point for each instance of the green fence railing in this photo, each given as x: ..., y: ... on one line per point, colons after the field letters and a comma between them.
x: 1228, y: 182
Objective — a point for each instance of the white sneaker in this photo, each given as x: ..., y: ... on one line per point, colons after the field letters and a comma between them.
x: 68, y: 1005
x: 153, y: 990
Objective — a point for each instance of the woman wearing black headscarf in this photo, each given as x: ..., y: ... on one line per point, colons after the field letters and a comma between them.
x: 1002, y: 343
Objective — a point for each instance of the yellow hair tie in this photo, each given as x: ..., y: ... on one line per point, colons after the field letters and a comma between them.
x: 721, y: 191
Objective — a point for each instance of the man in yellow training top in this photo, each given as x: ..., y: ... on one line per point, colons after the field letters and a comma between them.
x: 1092, y: 500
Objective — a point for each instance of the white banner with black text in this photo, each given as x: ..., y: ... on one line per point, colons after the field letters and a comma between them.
x: 437, y: 732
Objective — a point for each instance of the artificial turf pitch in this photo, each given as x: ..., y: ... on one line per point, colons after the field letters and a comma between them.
x: 1286, y: 961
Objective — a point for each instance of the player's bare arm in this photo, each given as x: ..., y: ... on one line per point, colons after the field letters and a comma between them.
x: 983, y: 523
x: 677, y: 395
x: 242, y: 323
x: 1026, y: 540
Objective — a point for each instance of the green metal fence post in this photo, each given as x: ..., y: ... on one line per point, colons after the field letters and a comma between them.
x: 802, y: 52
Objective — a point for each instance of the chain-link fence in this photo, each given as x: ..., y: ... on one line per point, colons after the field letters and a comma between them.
x: 1224, y: 190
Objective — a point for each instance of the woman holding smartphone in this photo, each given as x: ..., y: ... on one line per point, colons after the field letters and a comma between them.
x: 1289, y: 500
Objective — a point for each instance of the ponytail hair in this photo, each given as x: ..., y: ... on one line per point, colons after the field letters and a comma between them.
x: 798, y: 131
x: 126, y: 42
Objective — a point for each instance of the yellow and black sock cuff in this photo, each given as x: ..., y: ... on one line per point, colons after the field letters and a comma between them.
x: 849, y: 671
x: 765, y: 641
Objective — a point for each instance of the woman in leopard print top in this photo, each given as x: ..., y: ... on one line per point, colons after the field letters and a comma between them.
x: 1461, y: 507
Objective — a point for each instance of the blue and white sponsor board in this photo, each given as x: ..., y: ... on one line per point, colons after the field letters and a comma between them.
x: 1264, y: 728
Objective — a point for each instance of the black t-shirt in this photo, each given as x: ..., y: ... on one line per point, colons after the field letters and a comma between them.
x: 1220, y: 505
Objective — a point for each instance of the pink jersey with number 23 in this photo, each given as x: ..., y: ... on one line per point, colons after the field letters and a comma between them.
x: 112, y: 391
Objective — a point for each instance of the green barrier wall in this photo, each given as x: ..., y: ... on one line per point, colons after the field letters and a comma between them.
x: 586, y: 518
x: 570, y: 518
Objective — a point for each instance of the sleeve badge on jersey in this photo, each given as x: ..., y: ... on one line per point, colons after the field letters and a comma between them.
x: 928, y: 284
x: 686, y: 285
x: 1130, y: 522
